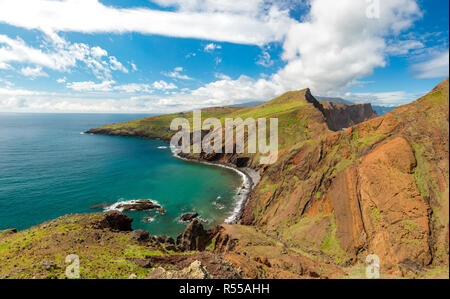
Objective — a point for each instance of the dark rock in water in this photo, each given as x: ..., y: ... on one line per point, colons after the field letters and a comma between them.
x: 162, y: 212
x: 100, y: 206
x: 139, y: 205
x: 118, y: 221
x: 188, y: 217
x: 193, y: 238
x: 140, y: 235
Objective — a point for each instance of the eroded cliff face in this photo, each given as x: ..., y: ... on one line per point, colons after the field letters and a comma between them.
x: 380, y: 187
x: 339, y: 116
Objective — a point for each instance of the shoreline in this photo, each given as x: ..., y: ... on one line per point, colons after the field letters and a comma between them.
x: 250, y: 180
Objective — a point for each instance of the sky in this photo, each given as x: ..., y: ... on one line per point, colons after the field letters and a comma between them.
x: 161, y: 56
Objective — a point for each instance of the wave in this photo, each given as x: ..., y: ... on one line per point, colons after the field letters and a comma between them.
x: 218, y: 205
x: 176, y: 150
x: 162, y: 147
x: 149, y: 219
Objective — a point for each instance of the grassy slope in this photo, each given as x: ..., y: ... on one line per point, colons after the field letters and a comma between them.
x: 40, y: 252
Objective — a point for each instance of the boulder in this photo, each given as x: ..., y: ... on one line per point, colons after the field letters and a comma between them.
x: 141, y: 235
x: 143, y: 263
x: 170, y: 247
x: 194, y: 271
x: 161, y: 239
x: 116, y: 220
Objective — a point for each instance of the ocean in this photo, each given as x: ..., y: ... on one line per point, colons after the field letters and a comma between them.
x: 49, y: 168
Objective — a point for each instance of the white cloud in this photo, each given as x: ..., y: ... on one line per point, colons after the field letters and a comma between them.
x: 33, y: 72
x: 246, y: 22
x: 4, y: 66
x: 6, y: 82
x: 133, y: 88
x: 17, y: 92
x: 265, y: 59
x: 222, y: 76
x: 61, y: 80
x: 338, y: 44
x: 60, y: 55
x: 108, y: 86
x: 212, y: 47
x: 111, y: 85
x: 435, y: 67
x: 116, y: 65
x: 176, y: 74
x: 234, y: 6
x: 403, y: 47
x: 91, y: 86
x: 163, y: 85
x: 98, y: 52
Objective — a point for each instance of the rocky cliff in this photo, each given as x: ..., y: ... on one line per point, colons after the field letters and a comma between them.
x: 341, y: 116
x: 380, y: 187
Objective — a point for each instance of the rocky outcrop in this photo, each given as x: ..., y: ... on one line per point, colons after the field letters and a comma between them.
x: 140, y: 235
x: 180, y: 266
x: 194, y: 271
x: 340, y: 116
x: 116, y: 220
x: 260, y: 256
x: 138, y: 205
x: 195, y: 237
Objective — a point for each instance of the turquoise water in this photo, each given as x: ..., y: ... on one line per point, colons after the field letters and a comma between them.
x: 48, y: 169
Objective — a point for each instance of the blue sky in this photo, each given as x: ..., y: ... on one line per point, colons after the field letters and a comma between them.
x: 176, y: 55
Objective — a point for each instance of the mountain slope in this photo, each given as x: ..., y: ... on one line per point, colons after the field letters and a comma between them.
x: 379, y: 187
